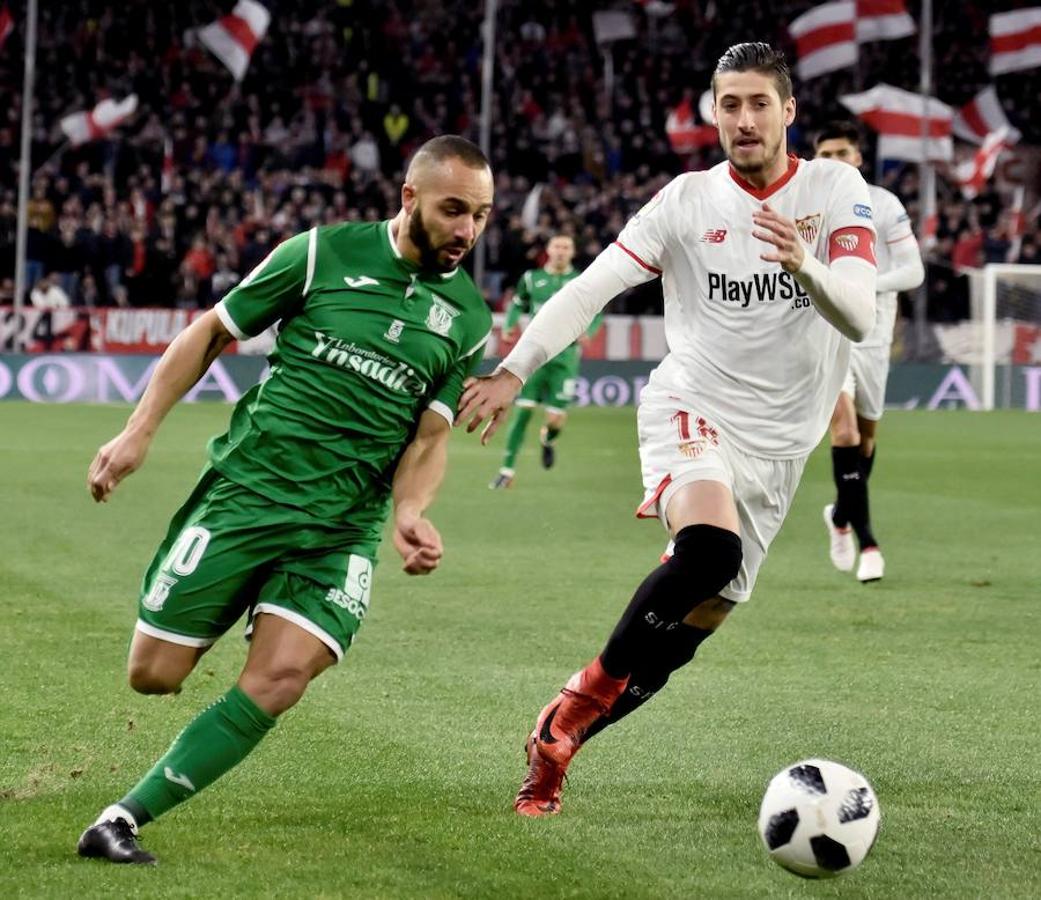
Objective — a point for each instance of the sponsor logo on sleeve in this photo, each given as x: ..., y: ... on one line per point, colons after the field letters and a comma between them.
x: 862, y: 211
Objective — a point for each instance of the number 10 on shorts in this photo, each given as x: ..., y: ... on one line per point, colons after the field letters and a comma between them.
x: 182, y: 560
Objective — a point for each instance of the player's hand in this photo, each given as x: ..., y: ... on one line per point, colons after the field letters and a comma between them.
x: 418, y: 542
x: 487, y: 397
x: 121, y: 456
x: 775, y: 229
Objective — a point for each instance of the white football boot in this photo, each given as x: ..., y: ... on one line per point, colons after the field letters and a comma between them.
x: 843, y: 550
x: 872, y: 566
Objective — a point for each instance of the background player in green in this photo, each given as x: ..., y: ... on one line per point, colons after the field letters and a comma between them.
x: 554, y: 384
x: 379, y: 327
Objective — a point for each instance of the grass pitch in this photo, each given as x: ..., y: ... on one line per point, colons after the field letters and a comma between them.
x: 395, y: 775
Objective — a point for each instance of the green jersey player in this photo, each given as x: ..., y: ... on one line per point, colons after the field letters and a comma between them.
x: 553, y: 385
x: 379, y: 328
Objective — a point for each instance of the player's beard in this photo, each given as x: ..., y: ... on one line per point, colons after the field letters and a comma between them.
x: 752, y: 168
x: 429, y: 254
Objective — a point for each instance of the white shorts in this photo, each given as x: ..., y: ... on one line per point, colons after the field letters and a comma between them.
x: 678, y: 446
x: 866, y: 380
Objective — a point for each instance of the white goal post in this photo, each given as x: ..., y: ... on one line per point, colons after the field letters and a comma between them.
x: 1005, y: 305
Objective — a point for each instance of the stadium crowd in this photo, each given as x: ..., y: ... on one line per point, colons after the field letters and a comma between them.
x: 209, y: 175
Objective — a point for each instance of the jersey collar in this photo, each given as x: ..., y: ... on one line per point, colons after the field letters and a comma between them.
x: 397, y: 253
x: 770, y: 189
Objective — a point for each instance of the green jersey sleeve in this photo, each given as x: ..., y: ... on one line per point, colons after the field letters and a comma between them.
x: 445, y: 396
x: 594, y: 326
x: 273, y: 290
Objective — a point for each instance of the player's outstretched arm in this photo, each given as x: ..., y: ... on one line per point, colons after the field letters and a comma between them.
x: 181, y: 366
x: 416, y: 481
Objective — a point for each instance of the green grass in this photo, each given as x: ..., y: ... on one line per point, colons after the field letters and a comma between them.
x: 394, y: 776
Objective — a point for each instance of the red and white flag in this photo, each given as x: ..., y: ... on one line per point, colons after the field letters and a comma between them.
x: 94, y: 124
x: 6, y: 25
x: 973, y: 174
x: 883, y: 20
x: 685, y: 133
x: 1015, y: 40
x: 898, y: 116
x: 234, y: 37
x: 981, y: 116
x: 825, y: 38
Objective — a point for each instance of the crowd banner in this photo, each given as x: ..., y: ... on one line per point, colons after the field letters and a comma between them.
x: 122, y: 378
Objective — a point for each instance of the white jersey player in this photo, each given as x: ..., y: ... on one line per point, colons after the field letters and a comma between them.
x: 768, y: 271
x: 860, y: 405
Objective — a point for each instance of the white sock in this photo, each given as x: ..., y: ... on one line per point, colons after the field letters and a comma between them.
x: 115, y: 811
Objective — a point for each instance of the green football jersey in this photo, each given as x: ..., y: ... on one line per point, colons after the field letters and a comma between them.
x: 534, y: 289
x: 367, y: 341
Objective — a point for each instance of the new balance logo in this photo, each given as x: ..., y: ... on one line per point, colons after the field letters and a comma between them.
x: 360, y: 281
x: 183, y: 780
x: 714, y: 236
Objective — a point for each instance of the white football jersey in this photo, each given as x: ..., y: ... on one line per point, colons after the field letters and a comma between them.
x: 893, y: 225
x: 746, y: 347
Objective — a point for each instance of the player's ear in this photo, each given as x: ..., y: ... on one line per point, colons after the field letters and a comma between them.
x: 409, y: 198
x: 789, y: 111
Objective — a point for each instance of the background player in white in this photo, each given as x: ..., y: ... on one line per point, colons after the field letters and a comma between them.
x: 862, y: 400
x: 767, y: 269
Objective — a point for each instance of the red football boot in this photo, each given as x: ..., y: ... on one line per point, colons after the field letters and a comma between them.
x: 558, y: 734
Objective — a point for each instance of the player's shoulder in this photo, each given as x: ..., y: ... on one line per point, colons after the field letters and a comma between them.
x: 885, y: 201
x: 822, y: 172
x: 353, y: 231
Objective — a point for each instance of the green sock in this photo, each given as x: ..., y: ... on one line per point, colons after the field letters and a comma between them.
x: 515, y: 436
x: 214, y: 742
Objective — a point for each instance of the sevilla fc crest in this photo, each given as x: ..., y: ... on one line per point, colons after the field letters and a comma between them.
x: 808, y: 227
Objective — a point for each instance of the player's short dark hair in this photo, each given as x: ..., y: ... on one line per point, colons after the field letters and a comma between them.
x: 756, y: 57
x: 452, y: 146
x: 838, y: 130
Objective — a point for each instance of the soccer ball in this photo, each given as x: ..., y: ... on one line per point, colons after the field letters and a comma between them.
x: 818, y: 818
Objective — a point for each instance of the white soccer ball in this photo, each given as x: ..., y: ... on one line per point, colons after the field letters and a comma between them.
x: 818, y: 818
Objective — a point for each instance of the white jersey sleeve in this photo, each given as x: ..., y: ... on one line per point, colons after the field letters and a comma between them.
x: 843, y: 291
x: 648, y: 235
x: 899, y: 257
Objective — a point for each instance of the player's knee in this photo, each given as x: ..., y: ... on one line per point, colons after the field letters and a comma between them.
x: 708, y: 556
x: 844, y: 433
x: 276, y: 688
x: 146, y: 677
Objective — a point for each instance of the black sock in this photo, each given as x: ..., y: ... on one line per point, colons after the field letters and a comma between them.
x: 551, y: 434
x: 652, y: 674
x: 705, y: 560
x: 849, y: 482
x: 867, y: 463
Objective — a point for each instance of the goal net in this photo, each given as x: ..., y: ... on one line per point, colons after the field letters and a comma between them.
x: 1002, y: 335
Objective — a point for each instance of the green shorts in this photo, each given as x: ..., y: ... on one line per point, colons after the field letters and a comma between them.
x: 231, y: 551
x: 553, y: 385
